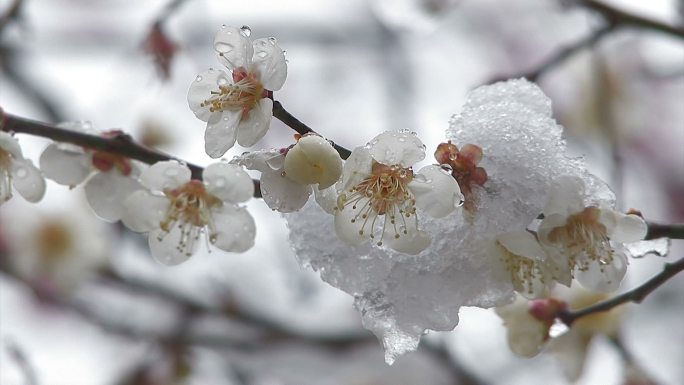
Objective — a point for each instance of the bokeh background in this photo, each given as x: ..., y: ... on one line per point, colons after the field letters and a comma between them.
x: 356, y: 68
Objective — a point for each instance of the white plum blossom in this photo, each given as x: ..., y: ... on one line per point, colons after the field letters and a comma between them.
x: 585, y: 241
x: 379, y: 194
x: 525, y: 260
x: 289, y: 175
x: 237, y: 105
x: 54, y: 250
x: 508, y: 151
x: 177, y: 210
x: 110, y: 177
x: 18, y: 172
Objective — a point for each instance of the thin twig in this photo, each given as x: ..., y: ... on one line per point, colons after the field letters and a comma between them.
x: 560, y: 56
x: 623, y: 18
x: 636, y: 295
x: 281, y: 114
x: 661, y: 230
x: 12, y: 13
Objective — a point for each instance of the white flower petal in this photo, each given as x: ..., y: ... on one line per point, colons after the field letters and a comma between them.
x: 565, y: 197
x: 526, y: 335
x: 436, y: 192
x: 201, y: 89
x: 235, y: 229
x: 228, y: 182
x: 269, y: 59
x: 27, y: 180
x: 570, y: 350
x: 522, y: 243
x: 262, y: 160
x: 64, y: 167
x: 547, y: 225
x: 347, y: 230
x: 397, y: 148
x: 11, y: 145
x: 412, y: 243
x: 604, y: 278
x: 252, y: 129
x: 165, y: 175
x: 326, y: 198
x: 144, y: 211
x: 233, y: 48
x: 164, y: 246
x: 107, y: 191
x: 628, y: 228
x: 356, y: 168
x: 281, y: 193
x: 221, y: 132
x: 313, y: 160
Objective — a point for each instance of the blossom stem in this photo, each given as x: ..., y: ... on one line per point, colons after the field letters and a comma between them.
x: 636, y: 295
x: 121, y: 144
x: 281, y: 114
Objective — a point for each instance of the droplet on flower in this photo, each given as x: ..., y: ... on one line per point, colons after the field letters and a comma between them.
x: 245, y: 31
x: 198, y: 78
x: 446, y: 168
x: 558, y: 329
x: 21, y: 173
x: 272, y: 40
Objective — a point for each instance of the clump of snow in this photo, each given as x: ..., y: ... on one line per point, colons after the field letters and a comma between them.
x: 401, y: 296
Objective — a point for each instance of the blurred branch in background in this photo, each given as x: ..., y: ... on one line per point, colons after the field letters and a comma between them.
x: 636, y: 295
x: 660, y: 230
x: 22, y: 362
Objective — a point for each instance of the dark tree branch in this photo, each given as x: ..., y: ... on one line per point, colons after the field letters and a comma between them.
x: 12, y: 13
x: 623, y: 18
x: 661, y: 230
x: 281, y: 114
x: 636, y: 295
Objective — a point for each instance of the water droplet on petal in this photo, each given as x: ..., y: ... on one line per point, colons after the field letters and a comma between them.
x: 222, y: 81
x: 223, y: 26
x: 446, y: 168
x: 198, y: 78
x: 21, y: 173
x: 245, y: 31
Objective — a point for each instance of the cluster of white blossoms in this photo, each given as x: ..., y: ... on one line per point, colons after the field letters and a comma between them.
x: 503, y: 209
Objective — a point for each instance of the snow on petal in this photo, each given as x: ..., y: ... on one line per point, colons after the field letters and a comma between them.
x: 165, y: 175
x: 228, y: 182
x: 233, y: 47
x: 144, y: 211
x: 565, y: 197
x: 107, y: 191
x: 397, y: 147
x: 269, y: 59
x: 235, y: 229
x: 436, y: 192
x: 254, y: 127
x: 65, y: 167
x: 313, y: 160
x: 27, y: 180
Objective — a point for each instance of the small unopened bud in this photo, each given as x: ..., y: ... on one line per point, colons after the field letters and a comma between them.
x: 313, y: 160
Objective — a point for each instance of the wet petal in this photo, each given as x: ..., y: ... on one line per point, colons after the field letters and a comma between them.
x: 570, y: 349
x: 522, y: 243
x: 165, y: 246
x: 220, y: 134
x: 356, y: 168
x: 313, y: 160
x: 228, y: 182
x: 565, y: 197
x: 252, y: 129
x: 348, y: 226
x: 235, y: 229
x: 201, y: 89
x: 436, y: 192
x: 393, y: 147
x: 604, y: 278
x: 27, y: 180
x: 412, y: 242
x: 628, y: 228
x: 269, y: 59
x: 326, y: 198
x: 165, y: 175
x: 64, y: 167
x: 283, y: 194
x: 233, y: 48
x: 107, y: 191
x: 143, y: 211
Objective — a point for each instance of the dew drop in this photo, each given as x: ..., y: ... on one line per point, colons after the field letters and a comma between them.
x: 404, y: 131
x: 245, y: 31
x: 21, y: 173
x: 222, y: 81
x: 198, y: 78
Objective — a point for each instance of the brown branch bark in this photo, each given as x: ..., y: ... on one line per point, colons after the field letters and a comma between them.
x: 627, y: 19
x: 636, y: 295
x: 662, y: 230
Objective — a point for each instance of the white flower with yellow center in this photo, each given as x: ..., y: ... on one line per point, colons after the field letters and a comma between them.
x: 19, y: 172
x: 289, y: 175
x: 110, y: 177
x: 379, y: 194
x: 177, y: 210
x: 585, y: 242
x: 236, y: 105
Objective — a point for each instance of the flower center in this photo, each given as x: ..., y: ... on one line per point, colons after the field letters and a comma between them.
x: 524, y: 271
x: 384, y: 192
x: 583, y: 235
x: 5, y: 159
x: 190, y: 210
x: 54, y: 240
x: 243, y: 94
